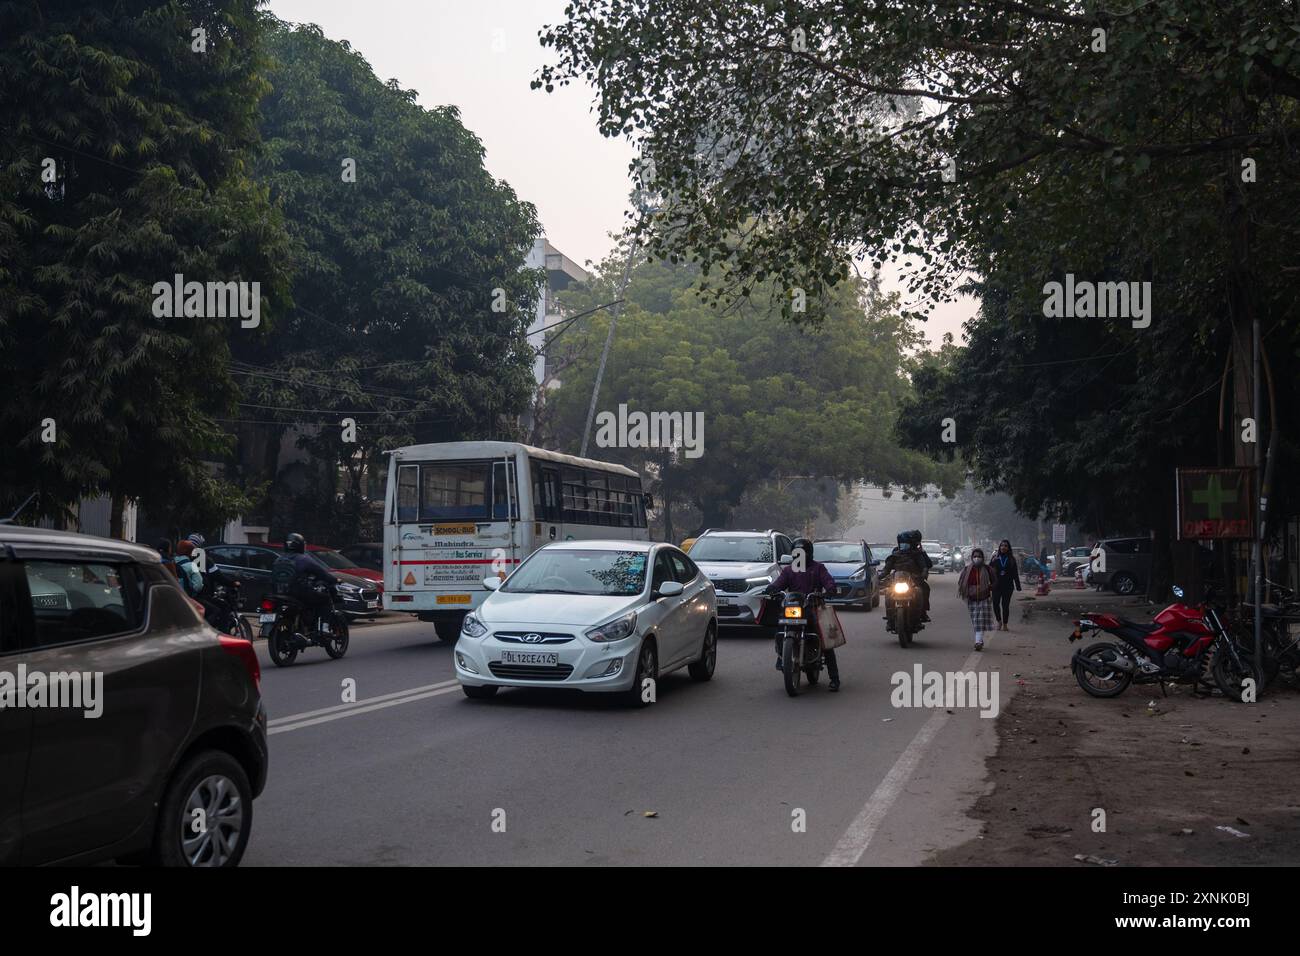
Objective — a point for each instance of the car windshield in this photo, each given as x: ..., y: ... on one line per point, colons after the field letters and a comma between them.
x: 749, y: 549
x: 881, y: 551
x: 570, y: 571
x: 837, y: 552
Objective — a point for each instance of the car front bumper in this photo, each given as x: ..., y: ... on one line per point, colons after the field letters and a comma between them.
x: 850, y: 592
x: 580, y: 664
x: 739, y: 610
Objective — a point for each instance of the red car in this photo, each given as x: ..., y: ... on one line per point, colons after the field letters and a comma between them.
x: 336, y: 561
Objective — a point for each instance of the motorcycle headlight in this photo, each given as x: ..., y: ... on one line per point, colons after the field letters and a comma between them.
x: 751, y: 583
x: 472, y: 626
x: 901, y: 587
x: 614, y: 630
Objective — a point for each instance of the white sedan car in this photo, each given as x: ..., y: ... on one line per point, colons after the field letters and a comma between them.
x: 609, y: 616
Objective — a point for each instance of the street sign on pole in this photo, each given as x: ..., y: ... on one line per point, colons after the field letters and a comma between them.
x: 1058, y: 534
x: 1216, y: 503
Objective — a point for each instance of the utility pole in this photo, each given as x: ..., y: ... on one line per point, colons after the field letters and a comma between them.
x: 1262, y: 503
x: 609, y: 340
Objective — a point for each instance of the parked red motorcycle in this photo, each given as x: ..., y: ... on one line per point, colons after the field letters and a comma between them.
x: 1182, y: 643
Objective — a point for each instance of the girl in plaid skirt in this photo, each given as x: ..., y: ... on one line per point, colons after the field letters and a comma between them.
x: 975, y: 587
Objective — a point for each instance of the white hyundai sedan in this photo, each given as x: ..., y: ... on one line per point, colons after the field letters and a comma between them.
x: 609, y: 616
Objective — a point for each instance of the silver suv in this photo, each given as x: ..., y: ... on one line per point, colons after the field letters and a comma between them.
x: 740, y: 564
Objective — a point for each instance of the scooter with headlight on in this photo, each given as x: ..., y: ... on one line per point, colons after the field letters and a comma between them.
x: 904, y: 605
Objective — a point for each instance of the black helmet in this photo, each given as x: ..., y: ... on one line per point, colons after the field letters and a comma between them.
x: 295, y: 543
x: 914, y: 536
x: 807, y: 547
x: 904, y: 537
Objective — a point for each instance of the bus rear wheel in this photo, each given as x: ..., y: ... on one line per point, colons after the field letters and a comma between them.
x: 448, y: 631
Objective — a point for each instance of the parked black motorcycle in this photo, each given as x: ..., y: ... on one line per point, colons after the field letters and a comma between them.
x: 904, y: 606
x: 221, y: 609
x: 801, y: 647
x: 290, y: 626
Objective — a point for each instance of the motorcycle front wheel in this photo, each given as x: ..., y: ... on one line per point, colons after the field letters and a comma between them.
x: 790, y: 668
x: 1111, y: 684
x: 245, y: 629
x: 1231, y: 675
x: 904, y: 634
x: 337, y: 645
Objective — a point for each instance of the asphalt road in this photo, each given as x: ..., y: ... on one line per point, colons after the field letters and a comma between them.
x: 414, y: 773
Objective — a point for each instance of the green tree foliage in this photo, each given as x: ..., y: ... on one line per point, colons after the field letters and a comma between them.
x: 1020, y: 142
x: 777, y: 401
x: 149, y: 140
x: 410, y: 301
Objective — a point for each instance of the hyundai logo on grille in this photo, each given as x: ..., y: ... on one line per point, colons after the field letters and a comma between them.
x: 532, y: 638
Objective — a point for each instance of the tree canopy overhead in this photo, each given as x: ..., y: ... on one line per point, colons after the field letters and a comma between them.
x: 828, y: 132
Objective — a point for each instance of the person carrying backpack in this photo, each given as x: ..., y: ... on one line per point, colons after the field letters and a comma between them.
x: 975, y: 587
x: 297, y: 575
x: 187, y: 573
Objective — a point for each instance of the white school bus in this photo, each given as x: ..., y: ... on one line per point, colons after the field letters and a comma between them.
x: 457, y: 512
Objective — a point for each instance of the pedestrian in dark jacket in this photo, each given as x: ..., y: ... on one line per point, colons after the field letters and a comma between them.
x: 1006, y: 576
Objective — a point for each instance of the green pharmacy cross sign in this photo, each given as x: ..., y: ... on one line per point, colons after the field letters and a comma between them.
x: 1216, y: 503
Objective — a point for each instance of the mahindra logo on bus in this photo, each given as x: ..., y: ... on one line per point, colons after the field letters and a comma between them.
x: 532, y: 638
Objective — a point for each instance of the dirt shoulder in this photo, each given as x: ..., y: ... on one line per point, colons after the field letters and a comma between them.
x: 1167, y: 776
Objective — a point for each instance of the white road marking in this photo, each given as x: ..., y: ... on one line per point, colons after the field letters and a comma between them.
x: 853, y: 844
x: 326, y: 714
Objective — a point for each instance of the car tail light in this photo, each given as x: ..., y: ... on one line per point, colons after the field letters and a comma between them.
x: 268, y: 606
x: 244, y: 651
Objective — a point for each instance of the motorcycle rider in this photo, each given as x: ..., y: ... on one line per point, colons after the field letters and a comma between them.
x: 909, y: 556
x: 189, y: 576
x: 297, y: 575
x: 812, y: 579
x: 213, y: 578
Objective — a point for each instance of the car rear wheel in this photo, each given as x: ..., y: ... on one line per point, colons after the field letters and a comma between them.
x: 1123, y: 583
x: 206, y: 815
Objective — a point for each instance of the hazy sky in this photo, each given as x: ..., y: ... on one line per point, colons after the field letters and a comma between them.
x: 480, y: 56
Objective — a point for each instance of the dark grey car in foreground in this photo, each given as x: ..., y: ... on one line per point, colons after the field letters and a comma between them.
x: 129, y: 728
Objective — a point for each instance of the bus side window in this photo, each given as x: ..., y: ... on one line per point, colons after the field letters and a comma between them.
x: 408, y: 493
x: 505, y: 495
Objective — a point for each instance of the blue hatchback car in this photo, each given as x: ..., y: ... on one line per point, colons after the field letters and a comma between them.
x: 851, y: 565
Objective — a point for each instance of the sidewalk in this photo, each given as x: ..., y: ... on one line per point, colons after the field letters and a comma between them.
x: 1169, y: 772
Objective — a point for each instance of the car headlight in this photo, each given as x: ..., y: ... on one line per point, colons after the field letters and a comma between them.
x: 349, y: 588
x: 859, y: 575
x: 615, y: 630
x: 764, y: 581
x: 902, y: 587
x: 472, y: 626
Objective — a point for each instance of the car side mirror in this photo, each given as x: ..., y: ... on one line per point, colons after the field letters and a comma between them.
x: 492, y: 583
x: 670, y: 589
x: 786, y: 559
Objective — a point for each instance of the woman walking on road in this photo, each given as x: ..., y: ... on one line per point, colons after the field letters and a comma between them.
x: 975, y: 587
x: 1007, y: 576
